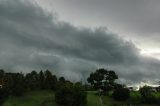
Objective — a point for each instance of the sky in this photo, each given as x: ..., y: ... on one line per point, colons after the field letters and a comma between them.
x: 75, y: 37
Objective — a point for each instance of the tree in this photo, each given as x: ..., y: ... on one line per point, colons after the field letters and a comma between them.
x: 62, y: 79
x: 15, y: 83
x: 41, y: 79
x: 102, y: 79
x: 145, y: 91
x: 121, y: 94
x: 70, y: 97
x: 2, y: 74
x: 31, y: 80
x: 147, y: 96
x: 3, y: 96
x: 50, y: 80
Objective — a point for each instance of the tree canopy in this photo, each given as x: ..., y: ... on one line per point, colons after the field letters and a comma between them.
x: 102, y: 79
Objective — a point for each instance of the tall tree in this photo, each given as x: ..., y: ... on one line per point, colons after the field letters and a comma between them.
x: 50, y: 80
x: 102, y: 79
x: 41, y: 79
x: 31, y: 80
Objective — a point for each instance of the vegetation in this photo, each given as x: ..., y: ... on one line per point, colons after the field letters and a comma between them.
x: 121, y: 94
x: 3, y: 96
x: 45, y: 89
x: 32, y: 98
x: 70, y: 97
x: 102, y: 79
x: 147, y: 95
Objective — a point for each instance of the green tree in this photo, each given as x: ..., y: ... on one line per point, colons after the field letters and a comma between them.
x: 41, y: 79
x: 103, y: 79
x: 62, y: 79
x: 50, y: 80
x: 147, y: 96
x: 70, y: 97
x: 3, y: 96
x: 31, y: 80
x: 15, y: 83
x: 2, y: 75
x: 121, y: 94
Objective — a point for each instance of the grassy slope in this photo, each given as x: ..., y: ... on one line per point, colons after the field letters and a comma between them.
x: 31, y: 99
x: 134, y: 99
x: 92, y: 99
x: 35, y: 98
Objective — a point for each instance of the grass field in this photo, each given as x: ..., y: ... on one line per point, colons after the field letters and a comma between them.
x: 46, y: 98
x: 34, y: 98
x: 92, y: 99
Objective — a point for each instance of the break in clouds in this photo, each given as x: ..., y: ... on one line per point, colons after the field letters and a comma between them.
x: 33, y: 39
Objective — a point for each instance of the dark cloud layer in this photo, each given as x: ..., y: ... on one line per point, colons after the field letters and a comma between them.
x: 31, y: 38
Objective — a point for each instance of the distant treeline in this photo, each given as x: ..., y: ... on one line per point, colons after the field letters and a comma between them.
x: 69, y: 93
x: 18, y: 83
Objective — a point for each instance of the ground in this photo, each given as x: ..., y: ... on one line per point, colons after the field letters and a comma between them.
x: 46, y: 98
x: 34, y: 98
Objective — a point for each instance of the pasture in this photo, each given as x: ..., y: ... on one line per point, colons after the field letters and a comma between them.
x: 46, y: 98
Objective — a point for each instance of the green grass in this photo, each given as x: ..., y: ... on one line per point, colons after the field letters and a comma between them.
x: 92, y: 99
x: 134, y: 99
x: 46, y: 98
x: 34, y: 98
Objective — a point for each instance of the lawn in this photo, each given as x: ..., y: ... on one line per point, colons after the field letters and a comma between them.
x: 46, y: 98
x: 92, y: 99
x: 34, y: 98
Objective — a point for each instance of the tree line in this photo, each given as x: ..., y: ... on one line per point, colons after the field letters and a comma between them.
x: 69, y: 93
x: 17, y: 83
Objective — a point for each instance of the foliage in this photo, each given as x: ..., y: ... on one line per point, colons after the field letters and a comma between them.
x: 50, y: 80
x: 102, y: 79
x: 145, y: 91
x: 14, y: 83
x: 32, y: 98
x: 31, y: 80
x: 147, y: 96
x: 121, y: 94
x: 3, y: 95
x: 70, y: 97
x: 18, y: 83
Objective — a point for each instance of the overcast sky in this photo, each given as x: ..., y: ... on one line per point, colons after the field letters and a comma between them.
x: 75, y: 37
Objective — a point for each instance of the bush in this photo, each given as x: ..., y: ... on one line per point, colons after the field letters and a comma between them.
x: 70, y: 97
x: 145, y: 91
x: 150, y: 100
x: 3, y: 96
x: 147, y: 96
x: 121, y: 94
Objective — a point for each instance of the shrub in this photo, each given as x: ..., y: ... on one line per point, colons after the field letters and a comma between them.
x: 3, y: 95
x: 70, y: 97
x: 145, y: 91
x: 121, y: 94
x: 150, y: 100
x: 147, y: 96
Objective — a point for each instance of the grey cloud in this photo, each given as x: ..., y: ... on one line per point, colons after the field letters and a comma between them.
x: 138, y: 20
x: 31, y: 38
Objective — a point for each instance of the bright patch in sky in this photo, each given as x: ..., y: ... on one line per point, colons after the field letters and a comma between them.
x: 155, y: 53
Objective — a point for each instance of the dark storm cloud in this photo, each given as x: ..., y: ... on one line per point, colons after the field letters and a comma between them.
x: 31, y: 38
x: 138, y: 20
x: 137, y: 16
